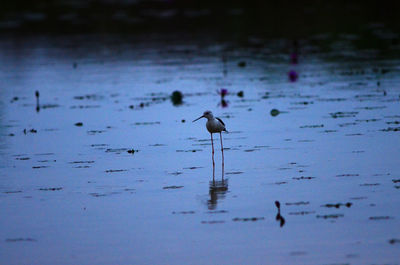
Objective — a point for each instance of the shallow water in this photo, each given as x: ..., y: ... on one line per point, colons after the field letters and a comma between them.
x: 70, y: 191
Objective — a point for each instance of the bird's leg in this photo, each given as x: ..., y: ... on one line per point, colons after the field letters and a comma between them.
x: 212, y: 145
x: 222, y: 150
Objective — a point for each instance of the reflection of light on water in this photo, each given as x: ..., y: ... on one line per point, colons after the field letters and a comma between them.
x: 217, y: 191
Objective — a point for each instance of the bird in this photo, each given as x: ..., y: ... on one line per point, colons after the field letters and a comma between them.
x: 214, y: 125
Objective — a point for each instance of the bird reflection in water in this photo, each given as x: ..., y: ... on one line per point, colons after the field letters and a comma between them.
x: 217, y: 191
x: 279, y: 217
x: 223, y: 103
x: 37, y: 101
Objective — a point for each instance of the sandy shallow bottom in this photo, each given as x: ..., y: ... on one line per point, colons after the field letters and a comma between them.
x: 71, y: 193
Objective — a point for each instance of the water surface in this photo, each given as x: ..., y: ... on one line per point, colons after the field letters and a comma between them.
x: 70, y: 192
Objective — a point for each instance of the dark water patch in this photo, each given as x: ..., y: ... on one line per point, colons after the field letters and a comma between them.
x: 393, y: 122
x: 234, y: 173
x: 343, y: 114
x: 51, y: 189
x: 299, y: 203
x: 331, y: 99
x: 306, y: 141
x: 147, y: 123
x: 184, y: 212
x: 176, y: 173
x: 89, y: 97
x: 37, y: 167
x: 262, y: 146
x: 82, y: 162
x: 274, y: 112
x: 358, y: 151
x: 213, y: 222
x: 78, y: 124
x: 312, y: 126
x: 30, y: 131
x: 394, y: 99
x: 347, y: 175
x: 94, y: 132
x: 49, y: 106
x: 367, y: 96
x: 369, y: 184
x: 96, y: 194
x: 132, y: 151
x: 280, y: 183
x: 12, y: 191
x: 85, y: 107
x: 394, y: 241
x: 217, y: 212
x: 248, y: 219
x: 99, y: 145
x: 354, y: 134
x: 302, y: 213
x: 8, y: 126
x: 328, y: 131
x: 371, y: 108
x: 251, y: 150
x: 392, y: 117
x: 156, y: 145
x: 200, y: 140
x: 381, y: 174
x: 82, y: 167
x: 379, y: 218
x: 352, y: 72
x: 116, y: 150
x: 391, y: 129
x: 189, y: 151
x: 172, y: 187
x: 14, y: 99
x: 302, y: 177
x: 352, y: 256
x: 115, y: 170
x: 337, y: 205
x: 359, y: 198
x: 284, y: 168
x: 397, y: 187
x: 22, y: 158
x: 347, y: 124
x: 191, y: 168
x: 20, y: 239
x: 302, y: 103
x: 368, y: 120
x: 395, y: 180
x: 47, y: 161
x: 330, y: 216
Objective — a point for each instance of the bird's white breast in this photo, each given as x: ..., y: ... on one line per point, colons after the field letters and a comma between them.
x: 214, y: 126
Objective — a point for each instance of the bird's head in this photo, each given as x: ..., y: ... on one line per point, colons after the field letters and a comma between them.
x: 207, y: 114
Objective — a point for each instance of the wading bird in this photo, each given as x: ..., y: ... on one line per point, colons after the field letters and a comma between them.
x: 214, y: 125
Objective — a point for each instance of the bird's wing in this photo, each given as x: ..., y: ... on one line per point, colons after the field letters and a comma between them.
x: 220, y: 121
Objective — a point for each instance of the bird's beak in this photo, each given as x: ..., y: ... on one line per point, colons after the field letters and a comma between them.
x: 198, y: 118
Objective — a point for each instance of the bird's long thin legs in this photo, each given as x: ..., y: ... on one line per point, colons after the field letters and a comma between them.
x: 212, y: 145
x: 222, y: 150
